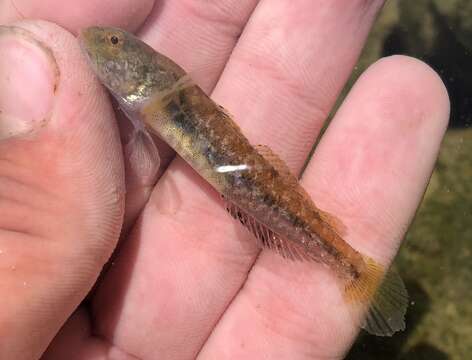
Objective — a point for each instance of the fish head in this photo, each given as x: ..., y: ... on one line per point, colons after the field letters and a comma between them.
x: 130, y: 69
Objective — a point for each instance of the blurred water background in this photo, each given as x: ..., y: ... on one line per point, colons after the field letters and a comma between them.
x: 436, y: 258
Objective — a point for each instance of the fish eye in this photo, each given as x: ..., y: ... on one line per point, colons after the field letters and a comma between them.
x: 114, y: 39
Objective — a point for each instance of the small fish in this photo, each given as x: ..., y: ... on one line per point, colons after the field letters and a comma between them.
x: 258, y: 188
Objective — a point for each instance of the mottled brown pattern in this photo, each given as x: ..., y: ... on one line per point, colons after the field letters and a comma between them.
x: 207, y: 138
x: 259, y: 189
x: 154, y: 90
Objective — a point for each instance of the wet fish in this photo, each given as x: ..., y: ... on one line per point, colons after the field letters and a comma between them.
x: 260, y: 192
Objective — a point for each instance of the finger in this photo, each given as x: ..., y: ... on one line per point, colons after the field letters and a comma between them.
x: 76, y: 341
x: 301, y: 65
x: 371, y: 169
x: 187, y: 259
x: 61, y: 184
x: 199, y: 36
x: 127, y: 14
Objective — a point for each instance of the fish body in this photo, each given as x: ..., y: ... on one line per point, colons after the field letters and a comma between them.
x: 257, y: 186
x: 208, y: 139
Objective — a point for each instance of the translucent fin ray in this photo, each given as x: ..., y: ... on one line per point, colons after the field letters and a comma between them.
x: 335, y: 223
x: 382, y: 296
x: 277, y: 163
x: 268, y: 239
x: 143, y: 156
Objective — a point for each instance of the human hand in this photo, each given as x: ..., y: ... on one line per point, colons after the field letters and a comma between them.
x: 187, y: 279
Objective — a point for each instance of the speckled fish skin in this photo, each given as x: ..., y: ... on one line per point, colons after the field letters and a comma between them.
x: 259, y: 190
x: 207, y: 138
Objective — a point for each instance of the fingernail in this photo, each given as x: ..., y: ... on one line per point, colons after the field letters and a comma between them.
x: 28, y: 77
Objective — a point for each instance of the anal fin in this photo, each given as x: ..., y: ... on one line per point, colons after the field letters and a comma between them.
x: 267, y: 238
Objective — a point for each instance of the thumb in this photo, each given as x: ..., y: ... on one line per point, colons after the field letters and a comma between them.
x: 61, y: 184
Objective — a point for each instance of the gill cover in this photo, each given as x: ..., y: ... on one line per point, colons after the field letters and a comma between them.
x: 132, y: 70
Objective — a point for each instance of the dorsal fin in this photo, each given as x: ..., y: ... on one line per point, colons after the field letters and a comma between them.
x: 277, y: 163
x: 226, y: 116
x: 267, y: 238
x: 333, y: 221
x: 224, y: 111
x: 282, y: 168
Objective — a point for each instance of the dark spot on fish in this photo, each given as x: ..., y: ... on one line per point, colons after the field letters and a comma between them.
x: 182, y: 97
x: 182, y: 122
x: 267, y: 199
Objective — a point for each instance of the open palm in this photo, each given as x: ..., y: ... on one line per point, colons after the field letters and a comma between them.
x: 186, y: 280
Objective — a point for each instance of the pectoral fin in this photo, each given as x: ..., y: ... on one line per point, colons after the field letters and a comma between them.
x: 143, y: 156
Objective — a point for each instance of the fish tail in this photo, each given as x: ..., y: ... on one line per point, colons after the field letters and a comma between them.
x: 381, y: 295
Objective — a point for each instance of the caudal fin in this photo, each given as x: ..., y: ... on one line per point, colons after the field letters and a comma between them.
x: 382, y: 296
